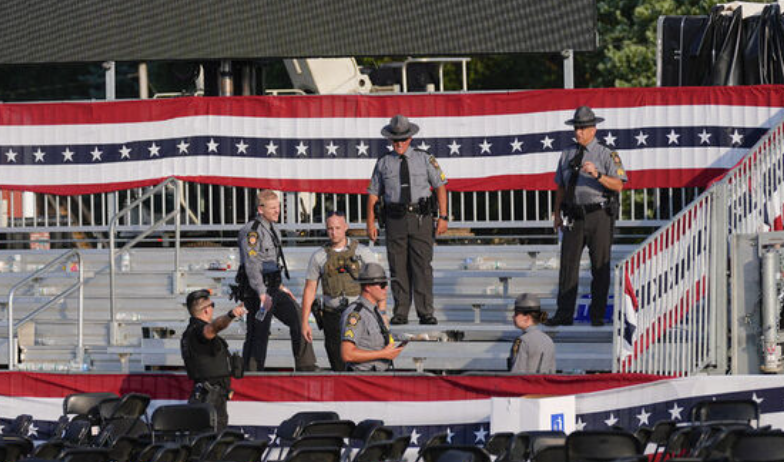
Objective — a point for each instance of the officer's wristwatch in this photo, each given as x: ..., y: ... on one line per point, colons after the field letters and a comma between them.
x: 598, y: 176
x: 443, y: 217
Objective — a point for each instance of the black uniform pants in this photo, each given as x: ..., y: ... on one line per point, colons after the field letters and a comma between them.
x: 333, y: 339
x: 215, y: 395
x: 410, y: 254
x: 596, y: 232
x: 288, y: 311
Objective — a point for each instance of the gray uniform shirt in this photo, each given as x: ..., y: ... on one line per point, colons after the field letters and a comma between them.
x: 588, y: 190
x: 256, y: 248
x: 363, y: 330
x: 424, y: 173
x: 535, y: 353
x: 319, y: 259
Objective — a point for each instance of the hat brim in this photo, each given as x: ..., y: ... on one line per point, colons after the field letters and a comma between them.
x: 390, y: 135
x: 527, y: 309
x: 375, y: 280
x: 585, y: 123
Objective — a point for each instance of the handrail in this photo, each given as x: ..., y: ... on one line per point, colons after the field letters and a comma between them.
x: 68, y: 291
x: 113, y: 254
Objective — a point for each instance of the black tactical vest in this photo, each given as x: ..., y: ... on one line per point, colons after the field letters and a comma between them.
x: 205, y: 366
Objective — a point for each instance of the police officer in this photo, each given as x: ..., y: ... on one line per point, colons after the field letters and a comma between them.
x: 367, y: 344
x: 206, y: 354
x: 337, y: 266
x: 262, y: 264
x: 533, y: 352
x: 589, y: 177
x: 406, y: 178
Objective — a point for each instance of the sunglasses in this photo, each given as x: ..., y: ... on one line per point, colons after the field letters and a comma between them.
x: 209, y: 305
x: 383, y: 285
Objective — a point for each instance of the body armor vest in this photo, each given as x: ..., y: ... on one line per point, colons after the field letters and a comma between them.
x: 341, y: 272
x: 209, y: 366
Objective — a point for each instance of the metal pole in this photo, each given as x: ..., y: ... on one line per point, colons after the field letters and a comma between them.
x: 226, y: 78
x: 771, y: 353
x: 80, y: 328
x: 178, y: 199
x: 112, y: 283
x: 144, y: 81
x: 568, y: 69
x: 110, y: 73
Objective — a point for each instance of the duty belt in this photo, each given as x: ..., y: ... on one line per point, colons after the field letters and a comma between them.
x: 579, y: 211
x: 400, y: 208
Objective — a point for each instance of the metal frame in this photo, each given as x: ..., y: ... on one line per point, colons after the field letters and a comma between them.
x: 12, y: 350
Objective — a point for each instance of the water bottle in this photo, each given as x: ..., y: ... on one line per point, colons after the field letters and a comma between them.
x: 125, y: 262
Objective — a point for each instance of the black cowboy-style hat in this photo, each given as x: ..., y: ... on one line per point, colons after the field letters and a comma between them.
x: 584, y: 117
x: 399, y: 128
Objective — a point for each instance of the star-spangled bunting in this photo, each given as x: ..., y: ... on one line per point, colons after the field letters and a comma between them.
x: 519, y: 137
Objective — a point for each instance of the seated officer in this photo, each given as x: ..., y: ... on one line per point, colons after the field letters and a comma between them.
x: 206, y: 355
x: 367, y: 344
x: 533, y: 352
x: 337, y: 266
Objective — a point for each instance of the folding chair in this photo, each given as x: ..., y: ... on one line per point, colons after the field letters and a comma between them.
x: 398, y: 447
x: 498, y: 443
x: 244, y: 451
x: 439, y: 439
x: 758, y: 447
x: 550, y: 454
x: 660, y: 435
x: 122, y: 418
x: 342, y: 428
x: 16, y: 447
x: 596, y: 446
x: 373, y: 452
x: 216, y: 449
x: 740, y: 411
x: 454, y: 453
x: 538, y: 440
x: 178, y: 422
x: 291, y: 429
x: 314, y: 455
x: 85, y: 455
x: 20, y: 426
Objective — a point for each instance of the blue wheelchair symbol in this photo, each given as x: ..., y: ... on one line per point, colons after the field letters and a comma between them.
x: 557, y: 422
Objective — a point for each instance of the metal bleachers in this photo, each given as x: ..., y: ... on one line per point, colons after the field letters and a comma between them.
x: 472, y: 300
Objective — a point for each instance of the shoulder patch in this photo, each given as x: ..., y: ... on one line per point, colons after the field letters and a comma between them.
x: 253, y: 238
x: 434, y: 162
x: 620, y: 172
x: 616, y: 158
x: 353, y: 319
x: 252, y: 253
x: 348, y: 333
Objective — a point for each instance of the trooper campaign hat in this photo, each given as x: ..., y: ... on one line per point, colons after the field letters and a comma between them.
x: 372, y: 273
x: 399, y: 128
x: 527, y: 303
x: 584, y: 117
x: 196, y: 295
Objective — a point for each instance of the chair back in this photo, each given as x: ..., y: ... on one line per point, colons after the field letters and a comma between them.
x: 595, y: 446
x: 758, y: 447
x: 244, y: 451
x: 83, y: 403
x: 498, y: 443
x: 550, y: 454
x: 736, y: 410
x: 189, y: 419
x: 314, y: 455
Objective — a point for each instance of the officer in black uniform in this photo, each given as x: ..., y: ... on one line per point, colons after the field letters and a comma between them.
x: 367, y: 344
x: 589, y: 177
x: 406, y: 178
x: 206, y: 355
x: 260, y: 284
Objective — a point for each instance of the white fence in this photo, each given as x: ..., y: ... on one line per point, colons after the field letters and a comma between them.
x: 678, y: 276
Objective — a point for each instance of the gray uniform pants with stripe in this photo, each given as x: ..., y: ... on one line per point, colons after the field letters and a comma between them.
x: 410, y: 256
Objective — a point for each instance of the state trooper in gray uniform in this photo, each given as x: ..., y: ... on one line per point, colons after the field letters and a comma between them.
x: 367, y: 344
x: 407, y: 178
x: 533, y: 352
x: 261, y: 288
x: 589, y: 177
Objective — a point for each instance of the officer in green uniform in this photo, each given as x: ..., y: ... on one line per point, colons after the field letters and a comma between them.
x: 367, y: 344
x: 407, y: 178
x: 533, y: 352
x: 336, y: 265
x: 206, y: 354
x: 589, y: 177
x: 262, y: 265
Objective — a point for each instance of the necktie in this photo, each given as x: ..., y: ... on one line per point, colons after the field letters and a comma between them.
x: 279, y: 247
x: 405, y: 181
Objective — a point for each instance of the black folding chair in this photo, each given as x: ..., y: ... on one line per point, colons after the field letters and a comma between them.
x: 550, y: 454
x: 122, y: 417
x: 439, y: 439
x: 498, y: 443
x: 85, y: 455
x: 739, y: 411
x: 314, y: 455
x: 373, y: 452
x: 758, y: 447
x: 538, y: 440
x: 398, y: 447
x: 455, y: 453
x: 291, y: 429
x: 660, y: 435
x: 20, y: 426
x: 342, y: 428
x: 16, y: 447
x: 244, y: 451
x: 217, y: 449
x: 182, y: 422
x: 597, y: 446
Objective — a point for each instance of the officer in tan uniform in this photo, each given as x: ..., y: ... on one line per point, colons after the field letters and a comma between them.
x: 409, y: 180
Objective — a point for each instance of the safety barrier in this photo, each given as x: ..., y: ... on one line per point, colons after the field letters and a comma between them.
x: 673, y: 318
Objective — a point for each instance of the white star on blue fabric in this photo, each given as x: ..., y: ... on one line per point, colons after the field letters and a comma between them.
x: 485, y: 147
x: 481, y: 435
x: 757, y: 399
x: 424, y: 146
x: 96, y: 153
x: 737, y: 138
x: 449, y: 435
x: 39, y: 155
x: 643, y: 417
x: 242, y: 148
x: 212, y: 146
x: 302, y: 149
x: 612, y: 420
x: 642, y: 139
x: 154, y: 150
x: 675, y: 412
x: 332, y: 149
x: 609, y: 140
x: 183, y: 147
x: 672, y: 137
x: 362, y: 149
x: 33, y: 430
x: 272, y: 435
x: 454, y: 148
x: 415, y: 437
x: 579, y: 425
x: 704, y: 136
x: 272, y: 148
x: 11, y: 155
x: 68, y: 155
x: 516, y: 145
x: 125, y: 153
x: 390, y: 148
x: 547, y: 142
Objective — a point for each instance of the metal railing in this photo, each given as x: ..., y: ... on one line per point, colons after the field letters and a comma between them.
x: 113, y: 254
x: 33, y: 278
x: 678, y: 276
